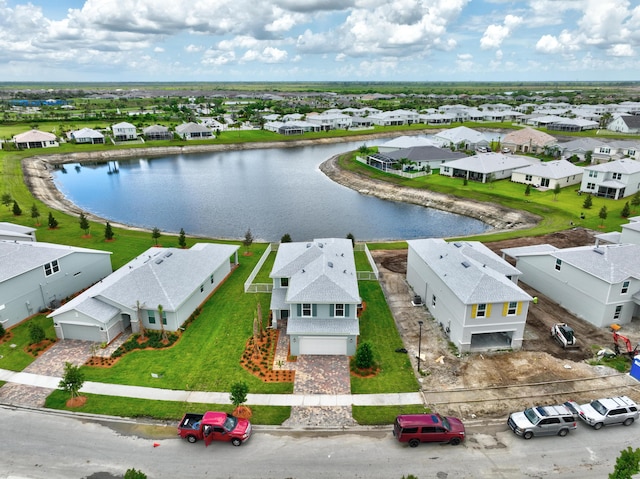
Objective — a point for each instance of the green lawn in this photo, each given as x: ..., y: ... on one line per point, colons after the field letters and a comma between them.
x: 13, y: 355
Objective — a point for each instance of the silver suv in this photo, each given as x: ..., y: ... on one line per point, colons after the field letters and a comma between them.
x: 602, y: 412
x: 543, y: 421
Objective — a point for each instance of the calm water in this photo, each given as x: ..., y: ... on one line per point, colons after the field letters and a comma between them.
x: 270, y: 191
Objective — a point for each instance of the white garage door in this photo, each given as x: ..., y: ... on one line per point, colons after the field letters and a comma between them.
x: 77, y: 331
x: 323, y: 345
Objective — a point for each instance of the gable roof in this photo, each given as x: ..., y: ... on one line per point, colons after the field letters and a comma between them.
x: 321, y: 271
x: 489, y: 162
x: 618, y: 166
x: 461, y: 133
x: 425, y: 153
x: 471, y: 270
x: 123, y: 126
x: 18, y: 257
x: 408, y: 142
x: 34, y: 136
x: 552, y: 169
x: 191, y: 128
x: 529, y: 135
x: 86, y: 133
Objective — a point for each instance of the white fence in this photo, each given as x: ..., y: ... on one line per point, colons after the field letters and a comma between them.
x: 404, y: 174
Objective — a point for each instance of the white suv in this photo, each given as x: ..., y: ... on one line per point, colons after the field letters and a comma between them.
x: 602, y: 412
x: 543, y: 421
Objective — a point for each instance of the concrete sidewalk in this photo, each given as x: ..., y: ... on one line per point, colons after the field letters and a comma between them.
x: 309, y: 400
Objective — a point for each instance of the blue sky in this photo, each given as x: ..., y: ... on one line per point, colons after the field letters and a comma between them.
x: 319, y: 40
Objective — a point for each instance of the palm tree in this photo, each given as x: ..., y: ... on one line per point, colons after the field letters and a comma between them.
x: 163, y: 331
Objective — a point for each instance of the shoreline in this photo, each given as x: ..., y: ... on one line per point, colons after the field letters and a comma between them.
x: 39, y: 181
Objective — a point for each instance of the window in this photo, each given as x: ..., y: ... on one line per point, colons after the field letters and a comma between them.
x: 202, y: 288
x: 593, y: 174
x: 211, y: 279
x: 164, y: 317
x: 558, y: 264
x: 512, y: 308
x: 616, y: 176
x: 481, y: 312
x: 528, y: 177
x: 618, y: 312
x: 445, y: 169
x: 625, y: 287
x: 339, y: 311
x: 284, y: 282
x: 591, y: 186
x: 306, y: 310
x: 433, y: 300
x: 151, y: 316
x: 51, y: 268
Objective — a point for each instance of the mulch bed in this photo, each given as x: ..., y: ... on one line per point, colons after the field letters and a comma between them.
x: 258, y: 359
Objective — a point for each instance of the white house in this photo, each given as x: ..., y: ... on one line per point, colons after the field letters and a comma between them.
x: 600, y: 284
x: 405, y: 141
x: 615, y: 179
x: 331, y: 121
x: 124, y: 131
x: 37, y: 276
x: 315, y: 288
x: 528, y: 140
x: 13, y: 232
x: 35, y: 139
x: 87, y: 135
x: 616, y: 150
x: 625, y: 124
x: 179, y: 280
x: 479, y: 167
x: 548, y: 174
x: 462, y: 138
x: 193, y: 131
x: 470, y: 291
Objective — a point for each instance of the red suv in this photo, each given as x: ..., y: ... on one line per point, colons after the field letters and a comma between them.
x: 417, y: 428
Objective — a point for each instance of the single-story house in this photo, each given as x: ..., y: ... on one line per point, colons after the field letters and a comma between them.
x: 573, y: 124
x: 599, y: 284
x: 528, y: 140
x: 419, y: 157
x: 13, y: 232
x: 35, y: 139
x: 462, y: 138
x: 193, y: 131
x: 405, y: 141
x: 470, y: 291
x: 87, y: 135
x: 578, y: 148
x: 548, y: 174
x: 157, y: 132
x: 615, y: 179
x: 315, y: 289
x: 37, y: 276
x: 483, y: 166
x: 177, y: 279
x: 124, y: 131
x: 297, y: 127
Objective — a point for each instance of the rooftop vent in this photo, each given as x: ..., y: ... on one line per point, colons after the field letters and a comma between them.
x: 330, y: 264
x: 465, y: 264
x: 158, y: 261
x: 598, y: 250
x: 457, y: 244
x: 168, y: 254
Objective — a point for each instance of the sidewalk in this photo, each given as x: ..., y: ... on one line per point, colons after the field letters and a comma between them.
x: 308, y: 400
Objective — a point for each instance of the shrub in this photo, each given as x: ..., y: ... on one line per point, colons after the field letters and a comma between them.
x: 364, y: 356
x: 36, y: 333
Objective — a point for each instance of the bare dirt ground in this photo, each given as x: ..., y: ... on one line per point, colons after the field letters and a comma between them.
x: 541, y: 359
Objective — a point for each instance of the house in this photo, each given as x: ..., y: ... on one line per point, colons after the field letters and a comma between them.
x: 193, y: 131
x: 418, y: 158
x: 528, y: 140
x: 615, y: 179
x: 625, y: 124
x: 37, y: 276
x: 87, y: 136
x: 297, y: 127
x: 598, y: 284
x: 615, y: 150
x: 179, y: 280
x: 315, y: 289
x: 548, y: 174
x: 578, y: 148
x: 572, y: 124
x: 330, y: 121
x: 124, y: 131
x: 470, y: 291
x: 462, y: 138
x: 157, y: 132
x: 35, y: 139
x: 13, y: 232
x: 484, y: 166
x: 405, y: 141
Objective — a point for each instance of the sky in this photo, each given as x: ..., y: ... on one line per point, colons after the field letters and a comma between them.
x: 319, y: 40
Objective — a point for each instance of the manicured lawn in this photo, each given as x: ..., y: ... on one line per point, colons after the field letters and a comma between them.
x: 16, y: 358
x: 165, y: 410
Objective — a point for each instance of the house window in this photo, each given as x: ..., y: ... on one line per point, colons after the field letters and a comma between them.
x: 51, y: 268
x: 593, y: 174
x: 164, y: 317
x: 625, y: 287
x: 202, y: 288
x: 558, y: 264
x: 446, y: 169
x: 605, y: 150
x: 284, y: 282
x: 481, y: 312
x: 591, y: 186
x: 528, y: 177
x: 306, y: 310
x: 339, y: 311
x: 616, y: 176
x: 211, y: 279
x: 151, y: 316
x: 512, y: 309
x: 618, y: 312
x: 433, y: 300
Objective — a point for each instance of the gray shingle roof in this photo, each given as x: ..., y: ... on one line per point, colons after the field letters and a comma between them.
x: 552, y: 169
x: 612, y: 263
x: 489, y: 162
x: 325, y: 327
x: 619, y: 166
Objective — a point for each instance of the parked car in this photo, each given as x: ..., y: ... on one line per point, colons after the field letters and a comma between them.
x: 214, y: 426
x: 506, y: 150
x: 482, y: 149
x: 606, y: 411
x: 543, y: 421
x: 417, y: 428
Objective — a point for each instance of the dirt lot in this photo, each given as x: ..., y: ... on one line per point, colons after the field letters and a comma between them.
x: 541, y: 359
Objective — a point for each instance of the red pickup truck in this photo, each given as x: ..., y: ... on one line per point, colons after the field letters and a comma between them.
x: 214, y: 426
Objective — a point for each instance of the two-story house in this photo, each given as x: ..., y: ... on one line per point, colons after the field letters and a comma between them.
x: 615, y: 179
x: 315, y: 289
x: 470, y: 291
x: 124, y: 131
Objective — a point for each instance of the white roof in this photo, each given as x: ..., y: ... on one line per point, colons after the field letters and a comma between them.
x: 552, y: 169
x: 87, y: 133
x: 489, y: 162
x: 408, y: 142
x: 34, y: 136
x: 617, y: 166
x: 461, y: 133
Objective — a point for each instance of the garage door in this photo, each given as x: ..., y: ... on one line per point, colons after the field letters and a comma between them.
x: 323, y: 345
x: 77, y: 331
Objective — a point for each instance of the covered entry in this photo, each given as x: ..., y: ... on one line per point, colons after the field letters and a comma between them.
x: 81, y: 331
x: 323, y: 345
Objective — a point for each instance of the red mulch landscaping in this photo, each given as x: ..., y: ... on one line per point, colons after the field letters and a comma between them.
x: 77, y: 401
x: 259, y: 361
x: 37, y: 348
x: 100, y: 362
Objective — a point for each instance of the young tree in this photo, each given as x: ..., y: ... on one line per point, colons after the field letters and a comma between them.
x: 286, y: 238
x: 141, y: 329
x: 626, y: 210
x: 155, y: 234
x: 627, y: 464
x: 36, y: 333
x: 182, y: 240
x: 108, y: 232
x: 248, y: 239
x: 239, y: 393
x: 635, y: 200
x: 72, y: 380
x: 587, y: 203
x: 163, y: 331
x: 603, y: 215
x: 364, y: 356
x: 556, y: 191
x: 2, y: 330
x: 52, y: 222
x: 17, y: 211
x: 527, y: 190
x: 491, y: 179
x: 6, y: 199
x: 134, y: 474
x: 352, y: 238
x: 35, y: 214
x: 84, y: 223
x: 588, y: 156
